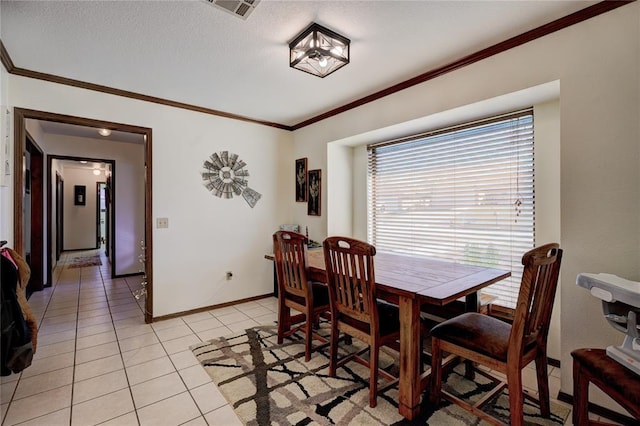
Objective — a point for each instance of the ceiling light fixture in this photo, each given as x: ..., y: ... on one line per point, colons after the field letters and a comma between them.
x: 96, y: 172
x: 104, y: 132
x: 319, y: 51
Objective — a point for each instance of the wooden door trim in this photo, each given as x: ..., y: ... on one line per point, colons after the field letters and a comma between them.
x: 19, y: 120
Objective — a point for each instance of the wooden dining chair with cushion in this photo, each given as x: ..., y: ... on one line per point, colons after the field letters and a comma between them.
x: 506, y: 348
x: 295, y: 291
x: 355, y: 309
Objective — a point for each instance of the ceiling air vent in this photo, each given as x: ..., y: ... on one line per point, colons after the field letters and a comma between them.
x: 240, y: 8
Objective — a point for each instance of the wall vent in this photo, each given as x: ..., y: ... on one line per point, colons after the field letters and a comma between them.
x: 240, y: 8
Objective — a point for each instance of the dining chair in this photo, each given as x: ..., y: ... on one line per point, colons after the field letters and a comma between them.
x: 506, y: 348
x: 295, y: 291
x: 355, y: 309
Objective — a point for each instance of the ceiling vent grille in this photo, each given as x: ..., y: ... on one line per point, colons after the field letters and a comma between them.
x: 240, y: 8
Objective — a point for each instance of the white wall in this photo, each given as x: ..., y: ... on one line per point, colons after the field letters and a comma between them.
x: 207, y: 236
x: 597, y: 65
x: 79, y: 220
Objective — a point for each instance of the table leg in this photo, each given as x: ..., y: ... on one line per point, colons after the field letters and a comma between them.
x: 409, y: 391
x: 472, y: 304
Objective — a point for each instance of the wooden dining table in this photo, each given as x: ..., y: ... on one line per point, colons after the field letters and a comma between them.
x: 414, y: 283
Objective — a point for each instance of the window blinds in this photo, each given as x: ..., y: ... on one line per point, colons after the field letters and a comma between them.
x: 464, y: 194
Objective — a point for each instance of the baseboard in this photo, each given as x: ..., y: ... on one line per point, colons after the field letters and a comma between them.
x: 601, y: 411
x: 553, y: 362
x: 211, y: 307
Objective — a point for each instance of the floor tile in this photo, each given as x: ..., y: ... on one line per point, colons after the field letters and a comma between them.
x: 198, y: 421
x: 95, y: 340
x: 173, y: 322
x: 44, y: 365
x: 214, y: 333
x: 157, y: 389
x: 97, y: 352
x: 132, y: 331
x: 57, y: 418
x: 200, y: 316
x: 171, y: 411
x: 6, y: 391
x: 44, y: 351
x: 150, y: 370
x: 184, y: 359
x: 143, y: 354
x: 208, y: 397
x: 102, y: 408
x: 129, y: 419
x: 38, y: 405
x: 205, y: 324
x: 137, y: 342
x: 98, y: 367
x: 174, y: 332
x: 179, y: 345
x: 194, y: 376
x: 232, y: 317
x: 242, y: 325
x: 98, y: 386
x: 223, y: 416
x: 95, y: 329
x: 44, y: 382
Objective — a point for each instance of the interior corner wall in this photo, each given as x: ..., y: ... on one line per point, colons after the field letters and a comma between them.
x: 207, y: 235
x: 597, y: 64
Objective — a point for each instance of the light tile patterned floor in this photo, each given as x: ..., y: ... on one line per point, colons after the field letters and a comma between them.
x: 98, y: 362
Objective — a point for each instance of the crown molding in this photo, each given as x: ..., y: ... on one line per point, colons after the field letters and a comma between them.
x: 557, y: 25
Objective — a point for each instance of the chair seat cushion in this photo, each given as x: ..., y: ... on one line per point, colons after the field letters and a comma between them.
x: 388, y: 318
x: 477, y: 332
x: 320, y: 295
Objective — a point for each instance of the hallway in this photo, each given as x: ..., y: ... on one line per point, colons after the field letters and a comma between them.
x: 97, y: 362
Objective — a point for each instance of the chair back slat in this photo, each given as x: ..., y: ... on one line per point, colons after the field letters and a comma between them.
x: 291, y: 262
x: 351, y: 279
x: 536, y: 296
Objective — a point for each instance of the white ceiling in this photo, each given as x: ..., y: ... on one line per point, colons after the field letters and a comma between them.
x: 192, y: 52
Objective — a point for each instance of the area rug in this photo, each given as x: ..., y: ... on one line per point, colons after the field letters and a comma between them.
x: 270, y: 384
x: 83, y: 261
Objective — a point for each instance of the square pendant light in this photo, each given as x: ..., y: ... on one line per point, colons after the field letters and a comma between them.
x: 319, y: 51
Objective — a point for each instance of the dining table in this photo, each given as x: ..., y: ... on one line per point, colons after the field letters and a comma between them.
x: 414, y: 284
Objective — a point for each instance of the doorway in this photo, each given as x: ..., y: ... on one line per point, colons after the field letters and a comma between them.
x: 102, y: 236
x: 20, y: 117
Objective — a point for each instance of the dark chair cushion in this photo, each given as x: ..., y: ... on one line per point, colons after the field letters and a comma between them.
x: 320, y: 295
x: 477, y: 332
x: 612, y: 373
x: 388, y: 317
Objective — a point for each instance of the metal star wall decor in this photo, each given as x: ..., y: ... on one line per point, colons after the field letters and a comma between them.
x: 224, y: 175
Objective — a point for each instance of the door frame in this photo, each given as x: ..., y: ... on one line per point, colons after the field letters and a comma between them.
x: 59, y: 206
x: 98, y: 230
x: 112, y: 166
x: 19, y: 124
x: 36, y: 182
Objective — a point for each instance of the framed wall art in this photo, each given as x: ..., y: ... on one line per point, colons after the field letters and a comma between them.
x: 314, y: 202
x: 301, y: 179
x: 79, y: 195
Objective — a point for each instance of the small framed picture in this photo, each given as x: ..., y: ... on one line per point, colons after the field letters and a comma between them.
x: 314, y: 203
x: 79, y: 195
x: 301, y: 179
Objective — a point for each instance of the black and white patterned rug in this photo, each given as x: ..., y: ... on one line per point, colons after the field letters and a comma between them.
x: 270, y: 384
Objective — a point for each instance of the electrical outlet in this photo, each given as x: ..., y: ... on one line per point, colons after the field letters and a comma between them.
x: 162, y: 222
x: 229, y: 275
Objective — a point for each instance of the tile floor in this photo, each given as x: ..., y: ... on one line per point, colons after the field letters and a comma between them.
x: 97, y: 362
